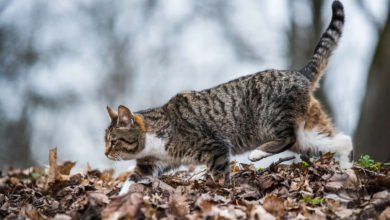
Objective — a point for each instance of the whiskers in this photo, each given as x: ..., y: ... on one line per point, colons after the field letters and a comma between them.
x: 117, y: 157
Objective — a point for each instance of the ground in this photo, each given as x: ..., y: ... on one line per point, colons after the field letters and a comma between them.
x: 315, y: 189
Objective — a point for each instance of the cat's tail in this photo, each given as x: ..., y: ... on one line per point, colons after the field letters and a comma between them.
x: 315, y: 68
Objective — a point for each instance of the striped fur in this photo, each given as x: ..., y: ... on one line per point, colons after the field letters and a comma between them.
x: 315, y: 68
x: 266, y: 113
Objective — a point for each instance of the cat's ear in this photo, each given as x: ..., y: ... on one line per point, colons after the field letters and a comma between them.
x: 125, y: 117
x: 111, y: 112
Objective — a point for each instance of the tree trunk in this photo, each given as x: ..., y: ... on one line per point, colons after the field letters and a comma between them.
x: 373, y: 134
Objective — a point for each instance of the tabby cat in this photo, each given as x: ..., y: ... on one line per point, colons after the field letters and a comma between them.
x: 266, y: 113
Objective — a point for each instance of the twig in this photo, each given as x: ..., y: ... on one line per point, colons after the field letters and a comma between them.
x: 365, y: 171
x: 281, y: 160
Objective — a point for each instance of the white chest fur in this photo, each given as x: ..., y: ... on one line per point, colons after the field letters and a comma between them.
x: 154, y: 146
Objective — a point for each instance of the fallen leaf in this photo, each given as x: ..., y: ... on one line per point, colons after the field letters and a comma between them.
x: 124, y: 206
x: 274, y: 205
x: 385, y: 215
x: 260, y: 213
x: 178, y: 206
x: 65, y: 167
x: 265, y: 182
x: 32, y: 213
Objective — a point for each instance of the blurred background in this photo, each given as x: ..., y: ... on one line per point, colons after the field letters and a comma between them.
x: 62, y: 62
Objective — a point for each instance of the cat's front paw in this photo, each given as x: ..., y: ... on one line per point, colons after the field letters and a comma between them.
x: 125, y: 187
x: 131, y: 180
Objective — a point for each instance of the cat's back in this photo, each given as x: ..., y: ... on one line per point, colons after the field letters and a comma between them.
x: 234, y: 102
x: 268, y: 85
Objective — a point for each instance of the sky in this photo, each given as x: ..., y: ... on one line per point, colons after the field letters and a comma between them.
x: 175, y: 48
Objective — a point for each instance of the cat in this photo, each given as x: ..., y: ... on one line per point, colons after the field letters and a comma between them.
x: 266, y: 113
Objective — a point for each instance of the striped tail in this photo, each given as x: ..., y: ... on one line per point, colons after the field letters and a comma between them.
x: 315, y: 68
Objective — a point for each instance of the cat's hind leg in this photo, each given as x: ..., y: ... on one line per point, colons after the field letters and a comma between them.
x: 270, y: 148
x: 279, y: 133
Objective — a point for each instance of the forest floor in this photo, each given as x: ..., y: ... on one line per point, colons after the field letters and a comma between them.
x: 305, y: 190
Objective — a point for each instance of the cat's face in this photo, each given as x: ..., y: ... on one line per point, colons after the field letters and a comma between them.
x: 125, y: 136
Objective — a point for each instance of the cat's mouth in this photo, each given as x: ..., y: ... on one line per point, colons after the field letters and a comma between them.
x: 128, y: 156
x: 112, y: 156
x: 115, y: 158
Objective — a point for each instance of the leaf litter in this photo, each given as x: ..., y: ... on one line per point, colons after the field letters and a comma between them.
x: 316, y: 189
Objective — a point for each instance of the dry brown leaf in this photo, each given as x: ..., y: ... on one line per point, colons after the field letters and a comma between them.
x: 234, y: 167
x: 99, y: 197
x: 297, y: 184
x: 247, y: 192
x: 258, y: 212
x: 178, y: 206
x: 383, y: 180
x: 265, y: 182
x: 106, y: 175
x: 345, y: 180
x: 274, y: 205
x: 351, y: 194
x: 32, y: 213
x: 385, y: 215
x: 65, y: 167
x: 124, y: 206
x: 205, y: 206
x: 136, y: 188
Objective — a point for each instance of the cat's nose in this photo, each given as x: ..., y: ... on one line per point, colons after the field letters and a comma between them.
x: 107, y: 151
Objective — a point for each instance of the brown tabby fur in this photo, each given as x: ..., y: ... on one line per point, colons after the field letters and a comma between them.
x: 260, y: 111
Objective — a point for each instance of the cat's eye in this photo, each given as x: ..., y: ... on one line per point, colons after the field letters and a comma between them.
x: 128, y: 142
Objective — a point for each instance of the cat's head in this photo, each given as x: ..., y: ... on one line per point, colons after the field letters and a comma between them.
x: 125, y: 136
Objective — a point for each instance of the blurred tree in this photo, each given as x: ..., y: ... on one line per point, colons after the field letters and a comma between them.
x: 20, y: 50
x: 19, y: 53
x: 373, y: 132
x: 114, y: 48
x: 16, y: 56
x: 220, y: 12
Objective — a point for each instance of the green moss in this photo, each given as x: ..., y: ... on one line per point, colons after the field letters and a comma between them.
x: 366, y: 162
x: 35, y: 175
x: 313, y: 201
x: 305, y: 164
